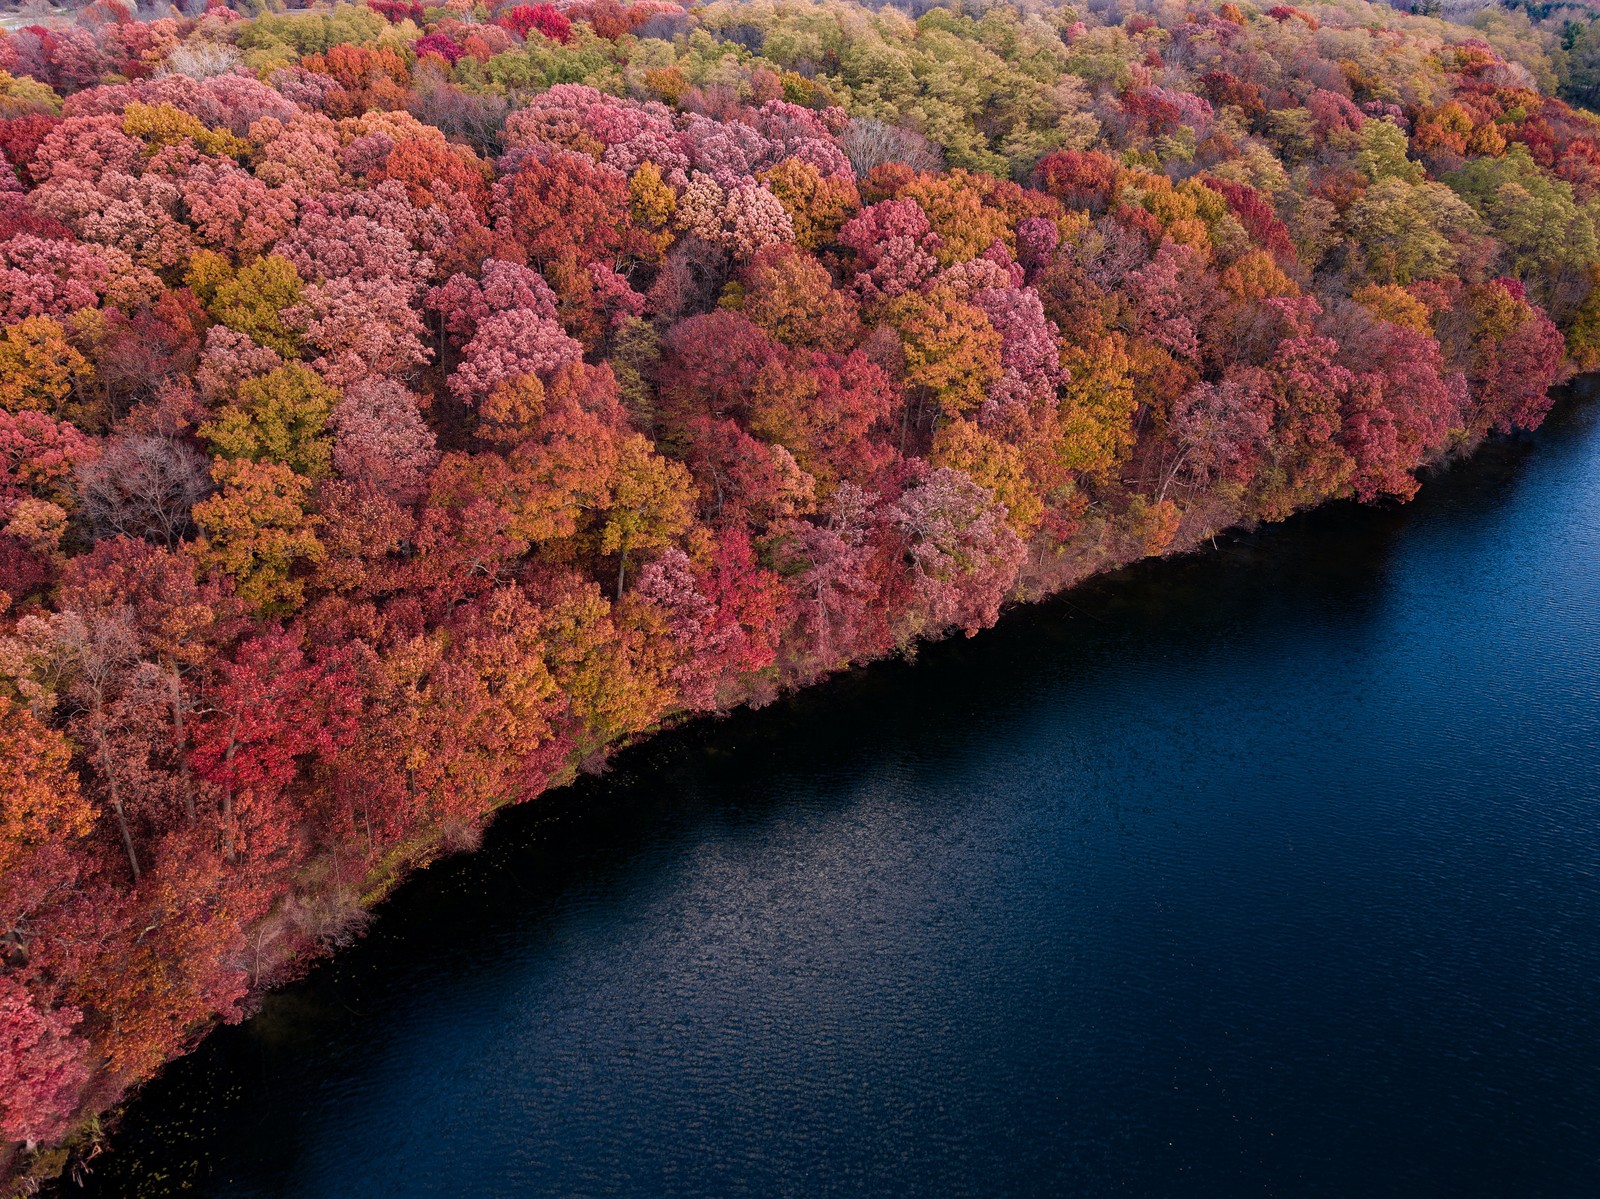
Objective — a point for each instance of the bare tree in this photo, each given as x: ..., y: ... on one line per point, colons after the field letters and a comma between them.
x: 202, y: 60
x: 477, y: 118
x: 869, y: 143
x: 143, y: 486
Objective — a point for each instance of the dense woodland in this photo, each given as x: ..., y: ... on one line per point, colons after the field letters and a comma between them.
x: 403, y: 406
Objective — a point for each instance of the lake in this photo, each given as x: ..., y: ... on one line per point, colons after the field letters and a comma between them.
x: 1273, y: 870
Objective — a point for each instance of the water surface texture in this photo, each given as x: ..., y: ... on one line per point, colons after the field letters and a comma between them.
x: 1270, y: 871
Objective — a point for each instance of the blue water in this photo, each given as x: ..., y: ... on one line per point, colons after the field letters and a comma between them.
x: 1270, y: 871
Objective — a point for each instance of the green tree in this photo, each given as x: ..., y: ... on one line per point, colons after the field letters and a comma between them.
x: 281, y: 416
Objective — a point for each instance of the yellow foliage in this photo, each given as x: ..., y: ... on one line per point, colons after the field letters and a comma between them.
x: 952, y: 351
x: 38, y: 368
x: 1256, y: 276
x: 21, y: 96
x: 955, y: 208
x: 165, y: 125
x: 1097, y: 412
x: 1388, y: 302
x: 997, y: 465
x: 817, y: 207
x: 252, y: 302
x: 40, y: 803
x: 257, y: 530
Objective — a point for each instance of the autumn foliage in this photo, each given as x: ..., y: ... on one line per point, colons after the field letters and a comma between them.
x: 401, y: 407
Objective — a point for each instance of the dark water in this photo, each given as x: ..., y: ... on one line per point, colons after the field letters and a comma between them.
x: 1274, y: 871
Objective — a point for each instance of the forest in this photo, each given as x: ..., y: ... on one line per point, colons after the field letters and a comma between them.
x: 402, y: 407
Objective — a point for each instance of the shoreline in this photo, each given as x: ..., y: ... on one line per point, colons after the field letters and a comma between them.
x: 99, y: 1131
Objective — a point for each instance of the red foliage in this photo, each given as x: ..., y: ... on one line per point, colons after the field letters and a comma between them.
x: 42, y: 1066
x: 395, y: 11
x: 21, y: 137
x: 569, y: 202
x: 373, y: 455
x: 544, y: 19
x: 440, y: 45
x: 1257, y: 217
x: 1078, y: 178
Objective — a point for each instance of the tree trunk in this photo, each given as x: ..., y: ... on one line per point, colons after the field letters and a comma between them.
x: 228, y: 847
x: 180, y: 739
x: 114, y: 792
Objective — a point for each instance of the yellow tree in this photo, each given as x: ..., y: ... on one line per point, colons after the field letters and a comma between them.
x: 995, y: 464
x: 652, y: 501
x: 257, y: 530
x: 1097, y: 411
x: 40, y: 801
x: 252, y: 301
x: 38, y: 367
x: 952, y: 351
x: 818, y: 207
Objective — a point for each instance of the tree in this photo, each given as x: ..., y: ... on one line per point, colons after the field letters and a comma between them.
x: 743, y: 218
x: 1309, y: 391
x: 144, y: 485
x: 963, y: 223
x: 463, y: 301
x: 963, y: 554
x: 1410, y: 231
x: 429, y: 167
x: 583, y: 480
x: 280, y: 417
x: 568, y: 202
x: 176, y: 624
x: 817, y: 206
x: 822, y: 408
x: 1097, y: 406
x: 508, y: 345
x: 994, y: 464
x: 381, y: 440
x: 45, y: 816
x: 42, y: 1067
x: 651, y: 502
x: 361, y: 327
x: 234, y: 213
x: 1514, y: 355
x: 1085, y: 179
x: 1219, y: 431
x: 1405, y: 408
x: 792, y: 297
x: 54, y: 277
x: 38, y: 456
x: 544, y: 19
x: 895, y: 248
x: 1030, y: 346
x: 39, y: 369
x: 269, y: 709
x: 1549, y: 238
x: 257, y: 530
x: 613, y: 683
x: 835, y: 586
x: 721, y: 619
x: 952, y: 352
x: 252, y: 302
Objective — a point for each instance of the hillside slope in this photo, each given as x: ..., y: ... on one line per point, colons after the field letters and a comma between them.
x: 400, y: 407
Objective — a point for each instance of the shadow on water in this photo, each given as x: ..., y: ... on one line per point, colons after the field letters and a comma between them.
x: 587, y: 870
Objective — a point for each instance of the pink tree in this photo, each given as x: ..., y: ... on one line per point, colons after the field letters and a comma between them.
x: 963, y: 554
x: 894, y: 245
x: 463, y: 301
x: 508, y: 345
x: 42, y: 1066
x: 381, y: 440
